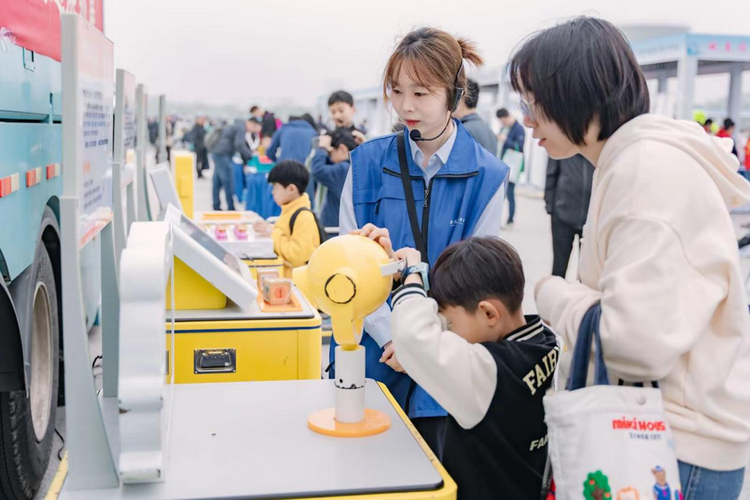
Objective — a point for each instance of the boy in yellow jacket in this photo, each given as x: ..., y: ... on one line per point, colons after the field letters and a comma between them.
x: 296, y: 233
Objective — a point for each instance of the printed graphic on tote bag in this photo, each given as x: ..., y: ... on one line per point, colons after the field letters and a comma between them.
x: 596, y: 487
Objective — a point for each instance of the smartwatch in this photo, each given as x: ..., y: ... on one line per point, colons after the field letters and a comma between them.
x: 422, y: 269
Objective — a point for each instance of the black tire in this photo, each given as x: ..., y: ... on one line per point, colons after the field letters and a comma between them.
x: 24, y: 458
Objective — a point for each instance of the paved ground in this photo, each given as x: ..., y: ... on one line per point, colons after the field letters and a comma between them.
x: 530, y: 235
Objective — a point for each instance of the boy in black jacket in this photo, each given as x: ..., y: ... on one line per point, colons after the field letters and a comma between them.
x: 488, y: 365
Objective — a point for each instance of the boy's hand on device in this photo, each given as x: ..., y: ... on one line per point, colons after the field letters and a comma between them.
x: 261, y: 227
x: 389, y: 358
x: 325, y: 142
x: 410, y: 255
x: 359, y: 137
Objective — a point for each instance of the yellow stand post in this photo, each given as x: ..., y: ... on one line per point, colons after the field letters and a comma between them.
x: 183, y: 166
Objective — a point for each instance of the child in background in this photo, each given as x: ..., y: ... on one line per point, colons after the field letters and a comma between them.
x: 329, y: 168
x: 296, y: 233
x: 342, y: 110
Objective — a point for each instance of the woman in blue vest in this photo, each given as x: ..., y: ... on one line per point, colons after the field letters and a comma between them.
x: 451, y: 189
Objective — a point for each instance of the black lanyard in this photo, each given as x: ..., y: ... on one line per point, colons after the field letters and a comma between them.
x: 419, y: 242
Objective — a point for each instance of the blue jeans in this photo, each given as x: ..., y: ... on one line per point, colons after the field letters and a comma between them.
x: 705, y: 484
x: 223, y: 179
x: 511, y: 195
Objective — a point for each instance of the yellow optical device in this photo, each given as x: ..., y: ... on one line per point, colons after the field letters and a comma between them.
x: 348, y: 278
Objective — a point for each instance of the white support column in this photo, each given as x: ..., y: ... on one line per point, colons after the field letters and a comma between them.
x: 110, y: 318
x: 662, y: 80
x: 162, y: 128
x: 734, y: 104
x: 687, y: 71
x: 143, y: 393
x: 90, y: 463
x: 141, y: 98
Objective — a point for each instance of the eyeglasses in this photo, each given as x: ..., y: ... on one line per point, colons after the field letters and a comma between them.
x: 526, y: 110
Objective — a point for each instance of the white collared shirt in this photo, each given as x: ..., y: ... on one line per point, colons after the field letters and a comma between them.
x: 438, y: 158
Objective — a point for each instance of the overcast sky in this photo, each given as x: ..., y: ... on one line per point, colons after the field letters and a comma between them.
x: 270, y: 51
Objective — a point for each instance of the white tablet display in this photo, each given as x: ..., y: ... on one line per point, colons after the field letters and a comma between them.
x: 165, y: 188
x: 211, y: 259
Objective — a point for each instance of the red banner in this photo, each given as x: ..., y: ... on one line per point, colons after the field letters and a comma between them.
x: 35, y: 24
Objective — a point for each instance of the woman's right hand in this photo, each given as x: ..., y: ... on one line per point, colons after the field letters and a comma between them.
x: 379, y: 235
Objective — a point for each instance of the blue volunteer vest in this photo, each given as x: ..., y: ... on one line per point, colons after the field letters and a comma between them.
x: 448, y: 209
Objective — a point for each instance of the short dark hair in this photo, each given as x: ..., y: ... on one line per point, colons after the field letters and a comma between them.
x: 580, y: 71
x: 708, y: 121
x: 253, y: 109
x: 502, y: 113
x: 307, y: 117
x: 288, y: 172
x: 343, y: 136
x: 472, y: 93
x: 476, y: 269
x: 728, y: 123
x: 341, y: 96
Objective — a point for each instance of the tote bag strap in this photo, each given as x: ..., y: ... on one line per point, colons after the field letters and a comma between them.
x: 588, y: 332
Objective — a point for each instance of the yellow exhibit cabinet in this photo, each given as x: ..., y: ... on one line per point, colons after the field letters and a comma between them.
x: 183, y: 166
x: 233, y: 229
x: 221, y: 332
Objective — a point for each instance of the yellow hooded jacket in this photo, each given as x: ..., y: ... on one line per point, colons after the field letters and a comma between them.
x: 296, y: 248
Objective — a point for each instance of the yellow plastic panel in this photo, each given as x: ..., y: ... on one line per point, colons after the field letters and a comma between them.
x: 264, y: 355
x: 184, y: 166
x: 192, y: 291
x: 309, y: 351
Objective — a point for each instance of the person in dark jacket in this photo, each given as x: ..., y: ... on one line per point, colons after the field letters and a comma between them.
x: 567, y: 194
x: 268, y: 124
x: 153, y: 131
x: 728, y: 132
x: 294, y: 139
x: 512, y: 139
x: 467, y: 113
x: 296, y: 142
x: 232, y: 141
x: 198, y: 136
x: 329, y: 167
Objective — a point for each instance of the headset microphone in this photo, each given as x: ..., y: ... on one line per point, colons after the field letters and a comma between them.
x: 416, y: 136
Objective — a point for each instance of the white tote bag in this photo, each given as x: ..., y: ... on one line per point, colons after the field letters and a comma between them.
x: 514, y: 160
x: 608, y: 442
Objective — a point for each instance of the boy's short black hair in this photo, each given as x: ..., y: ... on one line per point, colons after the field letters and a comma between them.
x: 341, y: 96
x: 254, y: 108
x: 343, y: 136
x: 476, y: 269
x: 502, y: 113
x: 728, y: 123
x: 288, y: 172
x: 309, y: 119
x: 472, y: 94
x: 580, y: 71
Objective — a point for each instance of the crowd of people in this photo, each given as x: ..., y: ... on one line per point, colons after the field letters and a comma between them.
x: 648, y: 196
